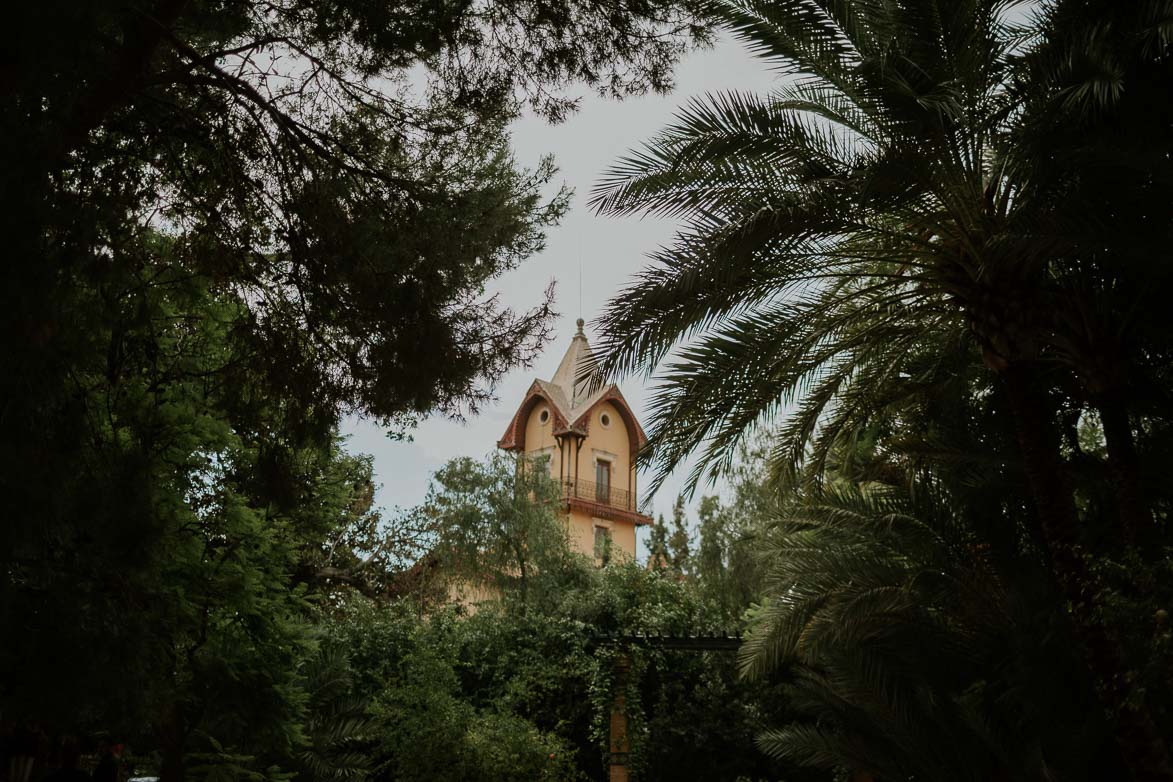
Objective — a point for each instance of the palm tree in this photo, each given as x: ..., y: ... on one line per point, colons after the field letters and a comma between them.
x: 1092, y: 141
x: 879, y: 200
x: 338, y: 729
x: 915, y: 648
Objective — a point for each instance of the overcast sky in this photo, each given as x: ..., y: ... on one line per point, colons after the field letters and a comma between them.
x: 610, y: 252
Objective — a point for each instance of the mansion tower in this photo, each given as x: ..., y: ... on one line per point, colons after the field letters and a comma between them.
x: 590, y: 441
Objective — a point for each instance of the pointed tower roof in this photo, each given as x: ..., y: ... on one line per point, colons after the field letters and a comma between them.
x: 570, y: 395
x: 573, y: 373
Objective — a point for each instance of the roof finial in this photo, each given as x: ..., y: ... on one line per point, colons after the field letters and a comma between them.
x: 581, y: 323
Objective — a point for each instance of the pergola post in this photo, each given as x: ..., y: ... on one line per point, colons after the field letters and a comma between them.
x: 618, y: 742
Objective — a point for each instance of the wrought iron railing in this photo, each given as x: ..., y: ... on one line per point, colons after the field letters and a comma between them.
x: 598, y: 492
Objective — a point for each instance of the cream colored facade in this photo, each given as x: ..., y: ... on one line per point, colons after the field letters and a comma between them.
x: 591, y: 438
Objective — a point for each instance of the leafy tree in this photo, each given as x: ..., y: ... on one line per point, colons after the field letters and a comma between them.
x: 712, y: 532
x: 689, y: 715
x: 229, y: 224
x: 892, y: 203
x: 496, y: 693
x: 436, y: 708
x: 495, y: 522
x: 356, y: 219
x: 728, y: 562
x: 154, y: 586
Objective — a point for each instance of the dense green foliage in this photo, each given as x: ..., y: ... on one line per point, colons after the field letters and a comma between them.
x: 939, y: 248
x: 226, y: 225
x: 506, y: 694
x: 931, y: 264
x: 492, y: 527
x: 533, y: 665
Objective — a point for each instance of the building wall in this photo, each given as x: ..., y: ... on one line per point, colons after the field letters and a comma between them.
x: 471, y: 596
x: 608, y: 443
x: 581, y: 531
x: 582, y: 534
x: 539, y: 437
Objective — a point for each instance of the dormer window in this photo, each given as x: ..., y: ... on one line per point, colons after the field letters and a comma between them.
x: 544, y: 417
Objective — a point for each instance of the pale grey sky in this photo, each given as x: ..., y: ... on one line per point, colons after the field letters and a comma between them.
x: 610, y: 250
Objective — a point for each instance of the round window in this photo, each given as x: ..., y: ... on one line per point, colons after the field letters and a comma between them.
x: 605, y: 420
x: 544, y: 416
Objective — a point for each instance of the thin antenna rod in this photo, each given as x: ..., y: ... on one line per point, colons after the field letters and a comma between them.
x: 581, y: 239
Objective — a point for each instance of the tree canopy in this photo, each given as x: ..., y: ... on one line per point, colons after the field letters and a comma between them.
x: 227, y: 225
x: 929, y: 213
x: 928, y: 270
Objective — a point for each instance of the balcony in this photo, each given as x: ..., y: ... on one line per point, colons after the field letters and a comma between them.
x: 599, y: 494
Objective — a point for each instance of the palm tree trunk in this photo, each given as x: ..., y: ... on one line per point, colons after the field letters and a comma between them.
x: 1136, y: 520
x: 1143, y: 749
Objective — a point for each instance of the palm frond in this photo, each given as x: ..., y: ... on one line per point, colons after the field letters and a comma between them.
x: 830, y: 228
x: 882, y: 605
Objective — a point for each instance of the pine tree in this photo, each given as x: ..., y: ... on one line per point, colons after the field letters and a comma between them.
x: 658, y: 557
x: 712, y: 551
x: 679, y: 540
